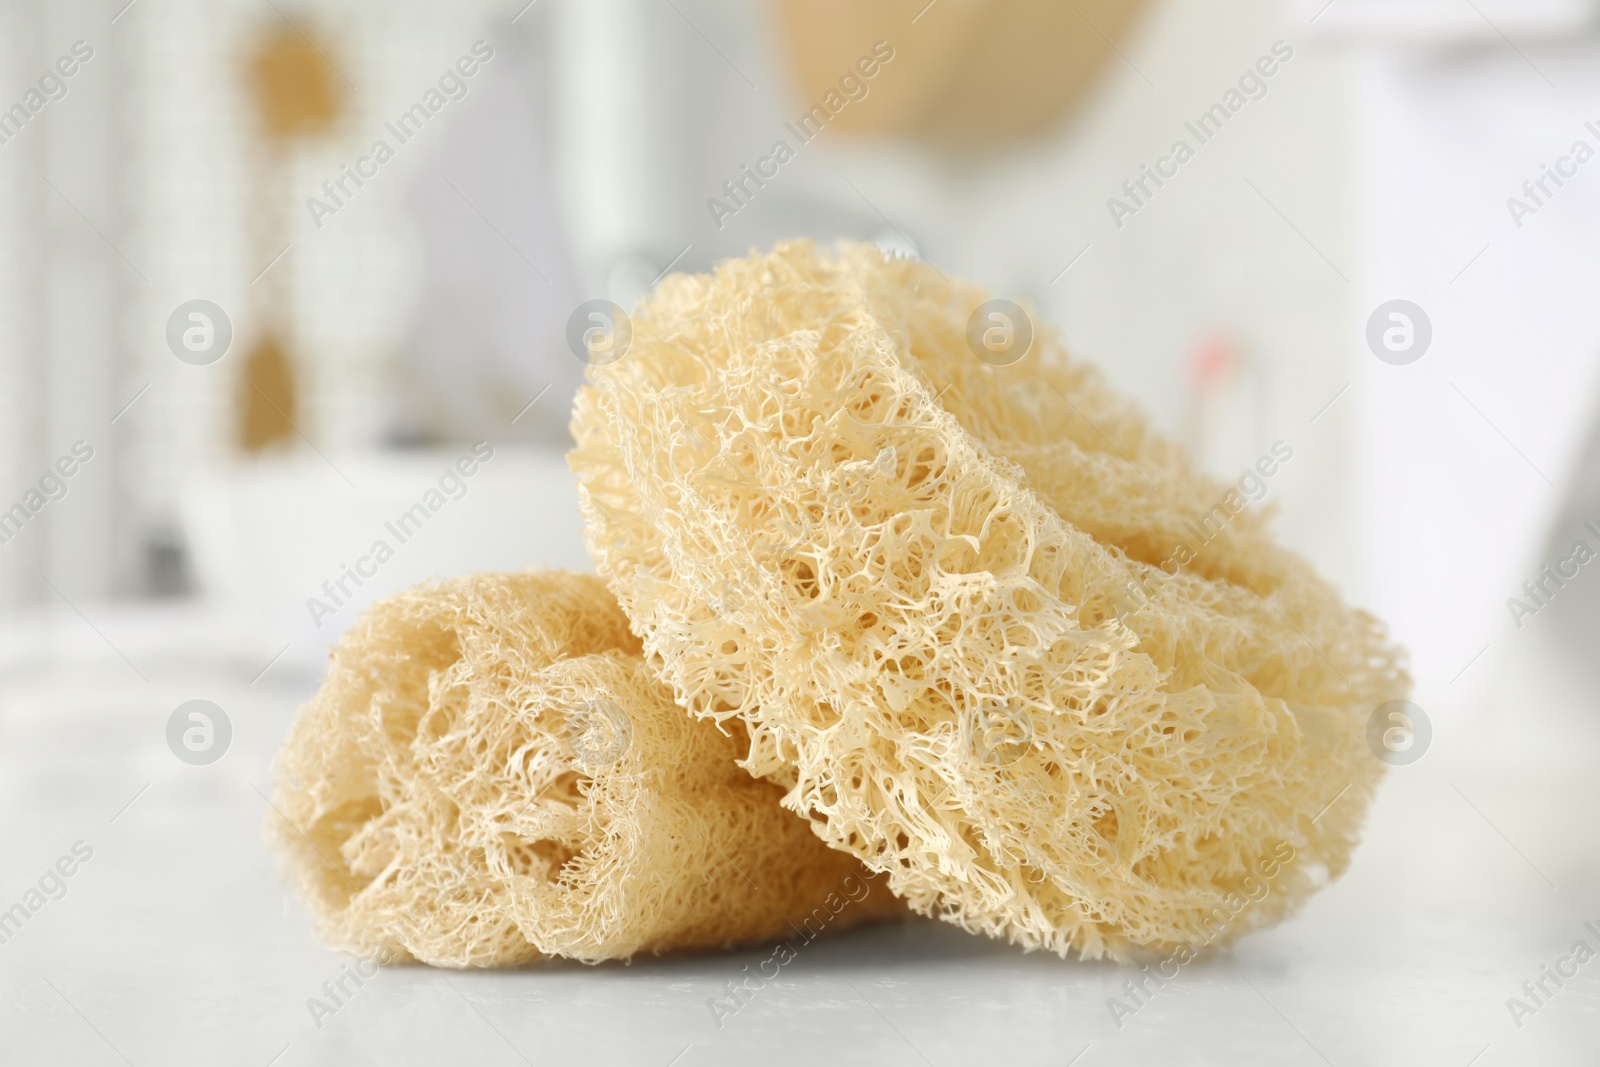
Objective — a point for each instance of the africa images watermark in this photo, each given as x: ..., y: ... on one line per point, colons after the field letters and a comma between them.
x: 853, y: 87
x: 1557, y: 973
x: 452, y: 486
x: 360, y: 973
x: 352, y: 976
x: 1539, y: 591
x: 1001, y: 733
x: 1252, y: 85
x: 1252, y: 890
x: 51, y: 88
x: 199, y: 732
x: 1538, y: 191
x: 52, y: 886
x: 742, y: 992
x: 599, y: 732
x: 53, y: 485
x: 1252, y: 487
x: 452, y: 85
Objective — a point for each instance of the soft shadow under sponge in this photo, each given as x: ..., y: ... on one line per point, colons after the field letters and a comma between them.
x: 489, y: 775
x: 933, y: 591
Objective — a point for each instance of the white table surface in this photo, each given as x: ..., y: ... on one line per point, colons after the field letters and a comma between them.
x: 177, y: 944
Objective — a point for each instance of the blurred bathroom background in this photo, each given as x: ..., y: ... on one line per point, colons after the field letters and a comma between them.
x: 387, y: 309
x: 284, y: 281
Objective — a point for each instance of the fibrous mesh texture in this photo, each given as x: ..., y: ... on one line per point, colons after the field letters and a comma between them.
x: 489, y: 774
x: 931, y: 589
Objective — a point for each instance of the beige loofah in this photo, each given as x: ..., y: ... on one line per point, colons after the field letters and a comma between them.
x: 489, y: 775
x: 930, y: 588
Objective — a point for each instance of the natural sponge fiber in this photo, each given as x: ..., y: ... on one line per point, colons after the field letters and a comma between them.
x: 932, y: 590
x: 489, y: 775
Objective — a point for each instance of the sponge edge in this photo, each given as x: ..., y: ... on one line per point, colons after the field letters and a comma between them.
x: 933, y: 590
x: 490, y: 775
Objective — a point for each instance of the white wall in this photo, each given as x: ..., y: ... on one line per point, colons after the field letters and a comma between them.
x: 1466, y: 455
x: 66, y: 263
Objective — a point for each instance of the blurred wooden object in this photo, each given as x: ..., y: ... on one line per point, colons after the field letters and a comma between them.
x: 968, y: 74
x: 291, y: 83
x: 267, y: 400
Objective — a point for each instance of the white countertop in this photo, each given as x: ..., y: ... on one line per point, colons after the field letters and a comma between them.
x: 177, y: 944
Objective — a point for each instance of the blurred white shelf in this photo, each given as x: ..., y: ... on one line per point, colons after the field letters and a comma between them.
x: 270, y: 539
x: 1446, y: 22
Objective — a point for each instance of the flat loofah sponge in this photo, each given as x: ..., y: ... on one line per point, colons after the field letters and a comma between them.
x: 932, y: 590
x: 489, y: 775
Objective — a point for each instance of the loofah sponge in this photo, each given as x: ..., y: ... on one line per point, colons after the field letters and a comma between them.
x: 489, y: 775
x: 933, y: 592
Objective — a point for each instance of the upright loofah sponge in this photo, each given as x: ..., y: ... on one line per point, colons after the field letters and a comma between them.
x: 489, y: 775
x: 933, y: 590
